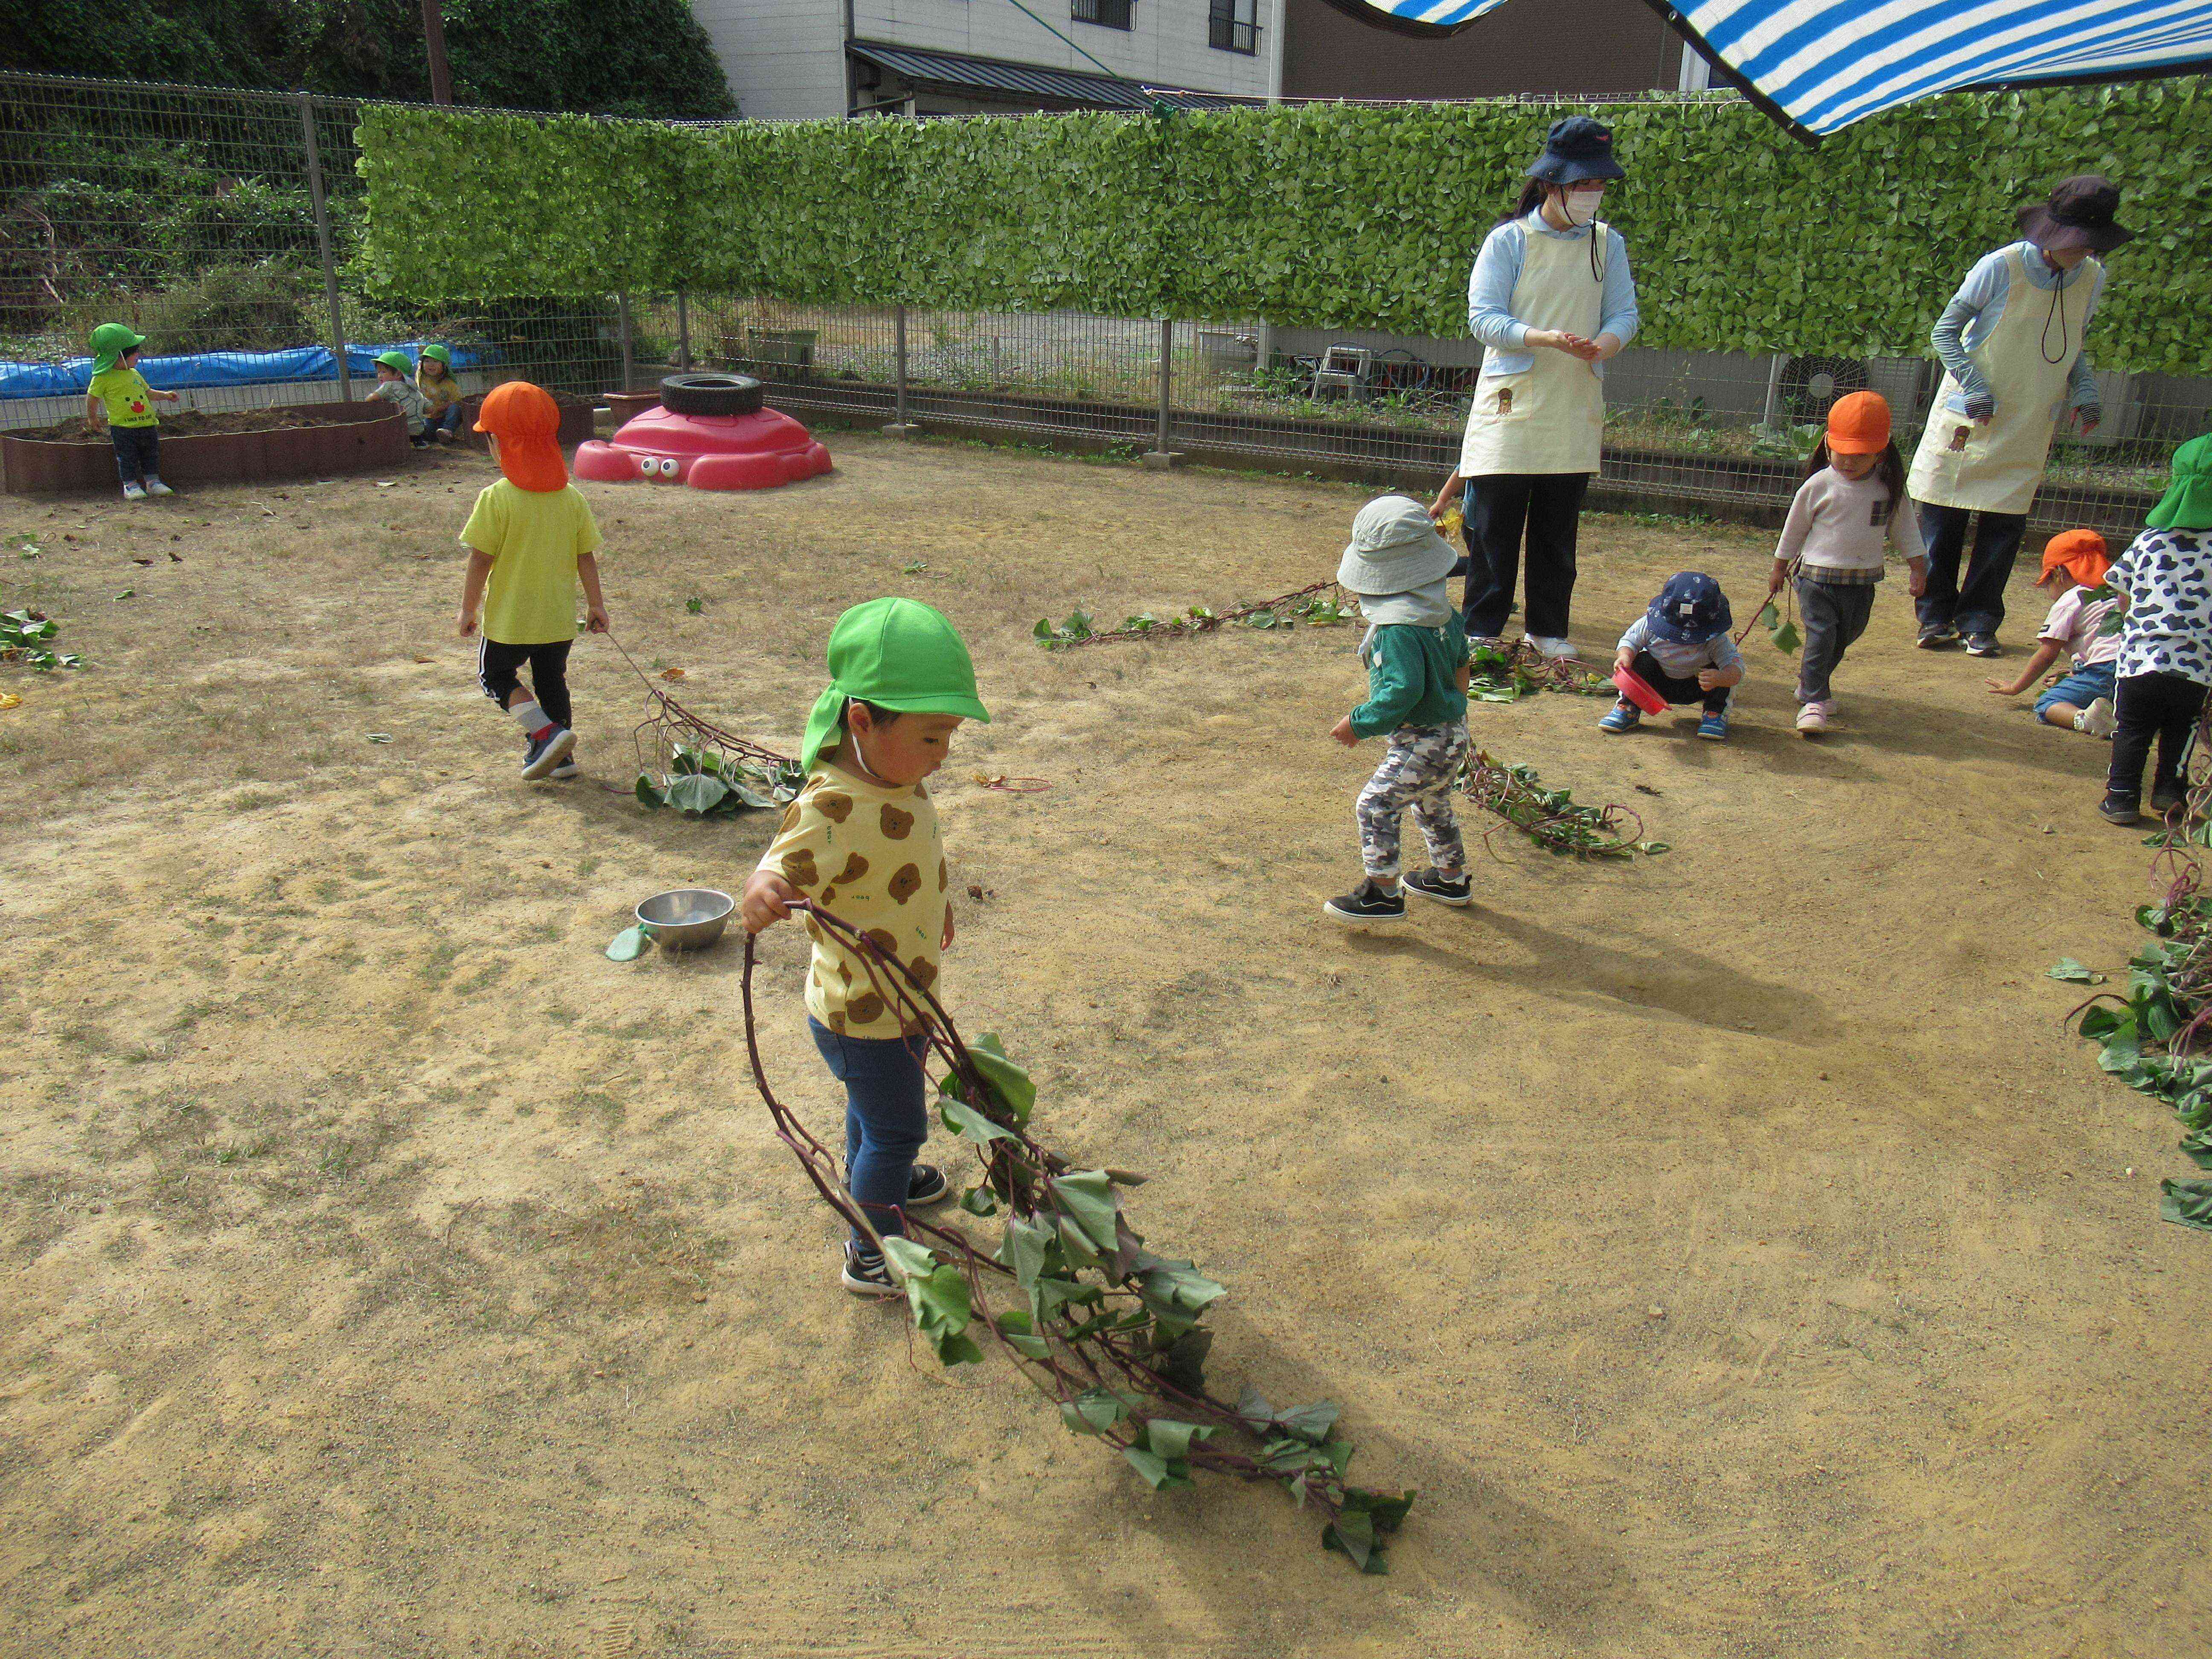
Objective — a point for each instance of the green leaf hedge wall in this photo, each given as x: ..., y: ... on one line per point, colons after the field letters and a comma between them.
x: 1328, y: 215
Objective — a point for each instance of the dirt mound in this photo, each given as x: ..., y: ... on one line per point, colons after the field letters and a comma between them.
x: 196, y: 423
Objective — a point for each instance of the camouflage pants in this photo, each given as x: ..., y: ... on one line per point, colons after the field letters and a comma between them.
x: 1418, y: 772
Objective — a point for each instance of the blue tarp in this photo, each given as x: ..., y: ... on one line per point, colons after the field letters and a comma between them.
x: 216, y: 369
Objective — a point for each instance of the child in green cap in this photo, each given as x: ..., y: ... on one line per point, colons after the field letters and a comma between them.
x: 2165, y: 664
x: 395, y: 385
x: 119, y: 396
x: 442, y: 394
x: 861, y: 841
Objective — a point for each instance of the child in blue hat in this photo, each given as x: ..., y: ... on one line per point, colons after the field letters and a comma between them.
x: 1679, y: 647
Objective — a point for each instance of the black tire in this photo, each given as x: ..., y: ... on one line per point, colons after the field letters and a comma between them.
x: 1809, y: 384
x: 710, y: 394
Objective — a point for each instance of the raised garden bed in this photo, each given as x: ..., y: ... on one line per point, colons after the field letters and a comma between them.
x: 577, y: 417
x: 299, y: 440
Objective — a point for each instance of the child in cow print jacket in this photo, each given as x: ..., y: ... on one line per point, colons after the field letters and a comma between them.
x: 2165, y: 663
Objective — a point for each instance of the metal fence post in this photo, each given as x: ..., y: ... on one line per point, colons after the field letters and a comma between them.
x: 318, y: 201
x: 622, y: 325
x: 900, y: 427
x: 682, y: 330
x: 1774, y: 368
x: 1160, y: 455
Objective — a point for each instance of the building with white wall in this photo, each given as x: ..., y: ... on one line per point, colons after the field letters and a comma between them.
x: 801, y: 59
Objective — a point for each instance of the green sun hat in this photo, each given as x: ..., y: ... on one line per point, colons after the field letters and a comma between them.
x: 396, y: 360
x: 109, y: 342
x: 899, y: 654
x: 2187, y: 503
x: 440, y: 354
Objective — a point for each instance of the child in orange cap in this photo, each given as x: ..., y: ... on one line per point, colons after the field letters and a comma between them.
x: 531, y: 539
x: 2074, y: 566
x: 1849, y: 515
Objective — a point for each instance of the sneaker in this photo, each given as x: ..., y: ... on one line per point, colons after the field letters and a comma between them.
x: 1938, y: 636
x: 1813, y: 718
x: 867, y: 1273
x: 1621, y: 717
x: 1713, y: 728
x: 567, y: 768
x: 132, y: 492
x: 1984, y: 645
x: 2164, y: 796
x: 1366, y: 902
x: 1554, y: 647
x: 156, y: 487
x: 1428, y: 884
x: 2097, y: 719
x: 547, y: 752
x: 926, y: 1186
x: 2118, y: 809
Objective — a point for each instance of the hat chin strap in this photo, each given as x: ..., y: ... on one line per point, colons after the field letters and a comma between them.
x: 861, y: 760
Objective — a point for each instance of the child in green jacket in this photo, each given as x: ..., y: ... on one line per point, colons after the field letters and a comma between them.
x: 1417, y: 674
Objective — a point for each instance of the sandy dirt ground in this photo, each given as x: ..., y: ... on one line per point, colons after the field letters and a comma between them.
x: 1733, y: 1248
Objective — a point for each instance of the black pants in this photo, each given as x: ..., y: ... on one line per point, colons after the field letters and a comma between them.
x: 1500, y: 506
x: 2164, y: 706
x: 1646, y: 668
x: 1977, y: 606
x: 1836, y: 614
x: 138, y: 452
x: 498, y: 671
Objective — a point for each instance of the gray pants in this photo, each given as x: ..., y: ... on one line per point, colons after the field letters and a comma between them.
x: 1835, y: 615
x: 1418, y: 772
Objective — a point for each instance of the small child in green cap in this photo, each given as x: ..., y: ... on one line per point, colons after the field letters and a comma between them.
x: 119, y: 396
x: 395, y: 387
x: 442, y: 394
x: 861, y: 841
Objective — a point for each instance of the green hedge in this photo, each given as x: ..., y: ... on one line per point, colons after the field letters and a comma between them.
x: 1328, y: 215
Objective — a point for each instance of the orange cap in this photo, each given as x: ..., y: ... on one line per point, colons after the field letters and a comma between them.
x: 1858, y: 424
x: 2080, y: 553
x: 527, y: 423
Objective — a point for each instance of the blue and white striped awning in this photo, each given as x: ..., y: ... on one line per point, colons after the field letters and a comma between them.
x: 1818, y: 66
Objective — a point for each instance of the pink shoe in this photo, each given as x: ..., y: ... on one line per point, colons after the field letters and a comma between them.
x: 1813, y: 718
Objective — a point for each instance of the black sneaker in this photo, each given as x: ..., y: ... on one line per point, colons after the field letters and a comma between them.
x: 867, y: 1273
x: 1428, y: 884
x: 567, y: 768
x: 2120, y: 810
x: 1984, y: 645
x: 926, y: 1186
x: 1366, y: 902
x: 1938, y: 636
x: 547, y: 752
x: 2164, y: 796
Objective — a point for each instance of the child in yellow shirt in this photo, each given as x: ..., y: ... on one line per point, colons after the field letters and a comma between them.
x: 862, y: 839
x: 530, y: 539
x: 119, y: 396
x: 441, y: 393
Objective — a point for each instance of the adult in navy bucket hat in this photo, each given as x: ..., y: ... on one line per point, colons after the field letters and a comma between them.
x: 1679, y: 647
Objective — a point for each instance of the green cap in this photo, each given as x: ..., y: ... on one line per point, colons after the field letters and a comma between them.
x: 440, y: 353
x: 899, y: 654
x: 396, y: 360
x: 2187, y: 504
x: 109, y: 342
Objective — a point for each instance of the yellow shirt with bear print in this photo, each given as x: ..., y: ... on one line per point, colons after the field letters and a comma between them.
x: 870, y: 853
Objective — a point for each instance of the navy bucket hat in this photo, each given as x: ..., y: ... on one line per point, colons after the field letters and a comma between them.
x: 1690, y: 610
x: 1576, y: 148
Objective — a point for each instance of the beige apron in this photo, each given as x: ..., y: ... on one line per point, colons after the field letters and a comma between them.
x: 1550, y: 417
x: 2002, y: 459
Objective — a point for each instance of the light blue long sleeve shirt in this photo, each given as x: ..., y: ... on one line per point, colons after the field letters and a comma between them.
x: 1497, y: 271
x: 1980, y: 301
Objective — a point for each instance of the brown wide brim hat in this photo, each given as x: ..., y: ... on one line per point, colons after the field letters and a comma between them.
x: 2078, y: 215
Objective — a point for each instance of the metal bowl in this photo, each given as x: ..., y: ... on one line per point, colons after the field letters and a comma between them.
x: 686, y: 918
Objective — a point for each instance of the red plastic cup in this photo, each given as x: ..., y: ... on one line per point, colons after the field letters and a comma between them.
x: 1638, y: 691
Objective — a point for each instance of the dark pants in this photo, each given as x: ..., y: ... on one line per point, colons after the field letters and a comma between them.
x: 1835, y: 615
x: 886, y: 1118
x: 1977, y: 606
x: 499, y: 672
x: 1646, y: 668
x: 138, y: 452
x: 1500, y: 507
x: 2164, y: 706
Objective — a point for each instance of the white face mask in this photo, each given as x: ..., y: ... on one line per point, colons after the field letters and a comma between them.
x: 1580, y: 205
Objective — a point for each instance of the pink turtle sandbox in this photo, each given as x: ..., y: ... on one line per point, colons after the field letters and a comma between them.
x: 758, y: 450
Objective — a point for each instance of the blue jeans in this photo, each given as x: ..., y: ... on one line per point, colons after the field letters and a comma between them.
x: 886, y: 1117
x: 2080, y: 688
x: 138, y: 452
x: 450, y: 421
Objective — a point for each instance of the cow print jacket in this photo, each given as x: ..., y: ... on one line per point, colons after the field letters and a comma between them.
x: 2167, y: 577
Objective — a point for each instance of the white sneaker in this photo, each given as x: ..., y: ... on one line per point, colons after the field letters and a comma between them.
x: 156, y: 487
x: 1813, y: 718
x: 2097, y: 719
x: 1553, y: 648
x: 132, y: 492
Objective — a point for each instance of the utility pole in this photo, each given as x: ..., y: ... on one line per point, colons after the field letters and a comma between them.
x: 433, y: 37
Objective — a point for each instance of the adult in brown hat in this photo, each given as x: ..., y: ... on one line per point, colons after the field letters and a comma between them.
x: 1551, y: 298
x: 2011, y: 345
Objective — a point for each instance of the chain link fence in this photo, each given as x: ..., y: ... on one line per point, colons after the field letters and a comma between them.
x: 221, y: 224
